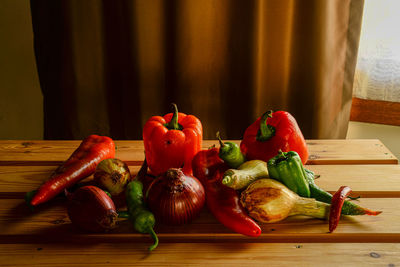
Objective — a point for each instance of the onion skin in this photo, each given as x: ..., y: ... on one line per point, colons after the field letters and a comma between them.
x: 91, y: 209
x: 112, y: 175
x: 175, y: 198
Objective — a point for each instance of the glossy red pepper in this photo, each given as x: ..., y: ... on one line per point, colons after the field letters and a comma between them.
x: 336, y: 207
x: 172, y: 141
x: 338, y: 200
x: 80, y: 164
x: 273, y: 132
x: 222, y: 201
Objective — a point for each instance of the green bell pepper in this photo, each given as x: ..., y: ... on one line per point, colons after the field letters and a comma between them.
x: 287, y: 168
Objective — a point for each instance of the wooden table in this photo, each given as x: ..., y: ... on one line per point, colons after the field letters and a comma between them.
x: 46, y: 237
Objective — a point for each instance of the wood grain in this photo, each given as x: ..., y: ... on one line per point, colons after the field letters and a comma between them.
x: 375, y: 111
x: 46, y: 236
x: 212, y: 254
x: 51, y: 221
x: 39, y: 152
x: 16, y: 180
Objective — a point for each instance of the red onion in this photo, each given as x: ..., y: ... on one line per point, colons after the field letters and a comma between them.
x: 91, y: 209
x: 175, y: 198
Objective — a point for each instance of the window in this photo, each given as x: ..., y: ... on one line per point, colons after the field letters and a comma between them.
x: 376, y: 90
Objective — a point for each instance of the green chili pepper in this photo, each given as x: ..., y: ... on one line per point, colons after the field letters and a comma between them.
x: 287, y: 168
x: 143, y: 220
x: 230, y: 153
x: 349, y: 208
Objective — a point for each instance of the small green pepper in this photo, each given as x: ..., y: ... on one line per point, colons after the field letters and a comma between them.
x: 287, y: 168
x: 143, y: 220
x: 230, y: 153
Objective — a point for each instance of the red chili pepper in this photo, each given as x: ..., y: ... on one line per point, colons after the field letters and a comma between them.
x: 172, y: 141
x: 80, y: 164
x: 222, y: 201
x: 273, y: 132
x: 336, y: 207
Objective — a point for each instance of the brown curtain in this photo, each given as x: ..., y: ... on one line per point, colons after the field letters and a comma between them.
x: 106, y: 66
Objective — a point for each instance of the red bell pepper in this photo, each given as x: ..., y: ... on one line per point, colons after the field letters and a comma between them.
x: 172, y: 141
x: 80, y: 164
x: 222, y: 201
x: 273, y: 132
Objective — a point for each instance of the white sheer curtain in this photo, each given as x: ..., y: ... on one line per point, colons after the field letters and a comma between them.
x: 377, y: 74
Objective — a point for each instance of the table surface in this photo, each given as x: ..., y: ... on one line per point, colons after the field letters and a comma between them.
x: 46, y: 236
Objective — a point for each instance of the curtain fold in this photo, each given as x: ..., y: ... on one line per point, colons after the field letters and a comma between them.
x: 105, y: 67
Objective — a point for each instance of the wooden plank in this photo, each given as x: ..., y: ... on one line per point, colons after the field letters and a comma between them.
x: 16, y: 180
x: 370, y: 181
x: 213, y: 254
x: 375, y: 111
x: 50, y: 223
x: 41, y: 152
x: 355, y: 151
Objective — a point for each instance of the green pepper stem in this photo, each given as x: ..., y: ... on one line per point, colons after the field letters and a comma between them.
x: 281, y: 154
x: 280, y: 157
x: 173, y: 124
x: 155, y: 238
x: 28, y: 198
x: 266, y: 131
x: 220, y: 140
x: 123, y: 214
x: 353, y: 198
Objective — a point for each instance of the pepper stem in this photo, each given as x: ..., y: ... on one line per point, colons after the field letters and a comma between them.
x: 28, y: 198
x: 155, y: 238
x: 173, y: 124
x: 123, y: 214
x: 266, y: 131
x: 220, y: 140
x: 281, y: 154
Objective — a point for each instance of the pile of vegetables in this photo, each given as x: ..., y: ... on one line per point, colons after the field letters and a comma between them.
x: 274, y: 182
x: 262, y: 180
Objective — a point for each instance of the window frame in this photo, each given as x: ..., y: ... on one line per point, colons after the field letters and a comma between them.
x: 375, y: 111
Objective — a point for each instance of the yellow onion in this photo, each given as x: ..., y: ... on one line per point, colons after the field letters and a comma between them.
x: 112, y: 175
x: 175, y: 198
x: 91, y: 209
x: 269, y: 201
